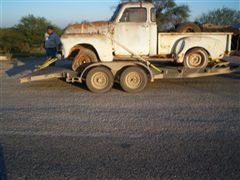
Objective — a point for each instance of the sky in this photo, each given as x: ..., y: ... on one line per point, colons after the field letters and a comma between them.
x: 63, y: 12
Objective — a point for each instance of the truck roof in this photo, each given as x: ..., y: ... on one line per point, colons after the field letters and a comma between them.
x: 134, y: 4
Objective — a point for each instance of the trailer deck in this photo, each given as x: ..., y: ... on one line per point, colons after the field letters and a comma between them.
x: 168, y: 71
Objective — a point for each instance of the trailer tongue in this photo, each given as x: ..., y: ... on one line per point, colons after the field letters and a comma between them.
x: 132, y: 75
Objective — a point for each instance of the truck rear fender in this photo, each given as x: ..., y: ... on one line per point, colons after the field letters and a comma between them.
x: 212, y: 46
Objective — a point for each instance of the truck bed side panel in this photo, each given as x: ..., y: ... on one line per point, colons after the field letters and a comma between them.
x: 215, y: 43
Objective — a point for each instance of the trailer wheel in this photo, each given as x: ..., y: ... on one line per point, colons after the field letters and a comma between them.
x: 133, y: 79
x: 196, y: 58
x: 99, y: 80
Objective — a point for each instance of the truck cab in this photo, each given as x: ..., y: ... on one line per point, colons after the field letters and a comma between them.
x: 135, y: 26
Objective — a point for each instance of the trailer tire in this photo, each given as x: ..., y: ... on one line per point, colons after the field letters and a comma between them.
x: 196, y: 58
x: 133, y: 79
x: 99, y: 80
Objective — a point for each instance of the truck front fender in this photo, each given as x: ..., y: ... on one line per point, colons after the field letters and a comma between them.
x: 100, y: 43
x: 214, y: 47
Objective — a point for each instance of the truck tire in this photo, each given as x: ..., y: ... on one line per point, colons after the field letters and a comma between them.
x: 84, y: 56
x: 188, y: 27
x: 99, y: 80
x: 196, y: 58
x: 133, y: 79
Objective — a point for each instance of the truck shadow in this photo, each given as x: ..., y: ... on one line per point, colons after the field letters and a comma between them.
x: 235, y: 76
x: 23, y: 65
x: 83, y: 86
x: 78, y: 85
x: 3, y: 169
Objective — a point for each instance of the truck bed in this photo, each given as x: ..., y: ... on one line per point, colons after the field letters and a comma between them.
x: 167, y: 42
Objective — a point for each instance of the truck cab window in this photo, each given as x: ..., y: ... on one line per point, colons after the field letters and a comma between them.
x: 134, y: 15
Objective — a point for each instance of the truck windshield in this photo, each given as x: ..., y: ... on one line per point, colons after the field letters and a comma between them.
x: 134, y: 15
x: 115, y: 14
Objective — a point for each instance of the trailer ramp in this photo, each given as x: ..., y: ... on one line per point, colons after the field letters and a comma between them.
x: 51, y: 72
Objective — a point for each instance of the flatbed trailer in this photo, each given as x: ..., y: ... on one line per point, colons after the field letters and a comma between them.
x: 133, y: 76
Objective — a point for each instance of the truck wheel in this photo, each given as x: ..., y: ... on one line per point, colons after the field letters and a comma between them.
x: 99, y: 80
x: 188, y: 27
x: 84, y: 56
x: 196, y: 58
x: 133, y: 80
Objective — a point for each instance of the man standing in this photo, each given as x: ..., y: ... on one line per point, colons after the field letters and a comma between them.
x: 51, y: 43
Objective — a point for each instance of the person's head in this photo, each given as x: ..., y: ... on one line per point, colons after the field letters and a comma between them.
x: 50, y: 29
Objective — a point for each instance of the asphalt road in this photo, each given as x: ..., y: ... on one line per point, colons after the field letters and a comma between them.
x: 175, y: 129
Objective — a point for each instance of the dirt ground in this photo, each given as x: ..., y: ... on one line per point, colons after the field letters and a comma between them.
x: 175, y: 129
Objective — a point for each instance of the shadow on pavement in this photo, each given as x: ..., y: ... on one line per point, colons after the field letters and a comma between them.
x: 22, y: 65
x: 235, y: 75
x: 27, y: 65
x: 3, y: 169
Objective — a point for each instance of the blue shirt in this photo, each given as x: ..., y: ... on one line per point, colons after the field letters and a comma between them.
x: 52, y: 41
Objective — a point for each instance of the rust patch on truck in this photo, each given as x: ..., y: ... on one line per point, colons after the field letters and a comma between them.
x: 88, y: 27
x: 83, y: 35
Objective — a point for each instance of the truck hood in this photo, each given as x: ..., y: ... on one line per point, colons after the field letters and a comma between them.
x: 89, y: 28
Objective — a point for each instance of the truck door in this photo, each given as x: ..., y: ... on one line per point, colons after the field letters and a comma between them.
x: 132, y: 30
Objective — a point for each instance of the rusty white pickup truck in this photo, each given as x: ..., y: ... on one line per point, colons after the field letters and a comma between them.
x: 131, y: 32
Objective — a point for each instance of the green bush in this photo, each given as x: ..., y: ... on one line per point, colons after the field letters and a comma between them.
x: 222, y: 16
x: 33, y: 29
x: 12, y: 40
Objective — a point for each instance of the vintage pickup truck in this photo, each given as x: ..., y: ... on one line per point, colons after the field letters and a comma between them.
x: 132, y: 31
